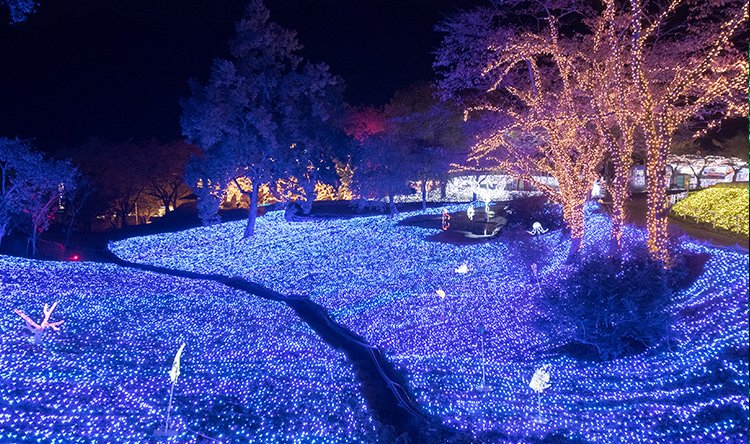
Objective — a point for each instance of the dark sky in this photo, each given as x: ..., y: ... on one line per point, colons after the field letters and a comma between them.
x: 117, y: 68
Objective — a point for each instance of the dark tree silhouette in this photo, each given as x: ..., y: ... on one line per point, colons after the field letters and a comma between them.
x: 238, y: 117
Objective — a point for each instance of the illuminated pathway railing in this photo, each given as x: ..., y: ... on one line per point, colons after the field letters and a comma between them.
x: 387, y: 398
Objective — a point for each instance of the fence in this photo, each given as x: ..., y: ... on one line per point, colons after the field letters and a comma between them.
x: 727, y: 221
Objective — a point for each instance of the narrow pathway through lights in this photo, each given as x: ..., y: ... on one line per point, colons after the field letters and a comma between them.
x: 386, y: 397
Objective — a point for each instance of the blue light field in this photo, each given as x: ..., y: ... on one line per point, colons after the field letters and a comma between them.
x: 253, y: 372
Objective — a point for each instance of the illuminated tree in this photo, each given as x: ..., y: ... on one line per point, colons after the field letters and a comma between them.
x: 683, y: 66
x: 639, y: 71
x: 166, y: 172
x: 12, y: 167
x: 696, y: 163
x: 238, y: 118
x: 75, y: 202
x: 538, y: 108
x: 39, y: 329
x: 735, y: 152
x: 32, y: 188
x: 119, y: 173
x: 312, y: 116
x: 383, y: 168
x: 19, y: 9
x: 432, y: 128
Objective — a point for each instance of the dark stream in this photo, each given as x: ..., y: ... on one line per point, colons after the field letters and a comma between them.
x: 383, y: 388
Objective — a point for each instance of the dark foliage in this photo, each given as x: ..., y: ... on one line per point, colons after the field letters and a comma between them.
x: 526, y: 248
x: 524, y: 211
x: 686, y: 269
x: 609, y: 307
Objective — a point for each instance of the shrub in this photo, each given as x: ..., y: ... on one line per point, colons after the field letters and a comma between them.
x: 725, y: 208
x: 608, y: 307
x: 524, y: 211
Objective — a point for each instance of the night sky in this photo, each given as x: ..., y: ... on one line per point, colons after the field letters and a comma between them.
x: 116, y: 68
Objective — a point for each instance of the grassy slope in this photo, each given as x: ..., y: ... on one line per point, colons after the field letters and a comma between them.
x: 380, y: 279
x: 251, y: 372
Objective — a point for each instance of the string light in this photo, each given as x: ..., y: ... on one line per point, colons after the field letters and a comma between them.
x: 723, y: 207
x: 256, y: 374
x: 620, y: 85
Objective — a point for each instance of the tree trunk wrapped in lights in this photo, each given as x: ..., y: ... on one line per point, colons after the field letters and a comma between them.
x: 642, y: 71
x: 551, y: 131
x: 706, y: 77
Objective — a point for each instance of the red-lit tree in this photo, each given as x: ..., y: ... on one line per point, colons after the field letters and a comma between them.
x: 381, y: 165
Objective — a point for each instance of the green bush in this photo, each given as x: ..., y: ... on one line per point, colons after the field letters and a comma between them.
x: 608, y: 307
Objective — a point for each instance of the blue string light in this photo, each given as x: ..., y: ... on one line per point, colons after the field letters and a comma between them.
x: 252, y: 372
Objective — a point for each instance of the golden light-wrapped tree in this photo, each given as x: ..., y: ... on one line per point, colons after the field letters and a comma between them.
x: 546, y: 126
x: 684, y: 68
x: 625, y: 76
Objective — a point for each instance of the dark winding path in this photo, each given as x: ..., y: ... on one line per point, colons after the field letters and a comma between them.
x: 382, y: 386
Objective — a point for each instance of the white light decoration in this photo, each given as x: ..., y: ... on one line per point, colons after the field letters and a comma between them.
x: 257, y: 374
x: 38, y: 329
x: 174, y: 373
x: 596, y: 190
x: 463, y: 269
x: 540, y: 382
x: 470, y: 212
x: 537, y: 229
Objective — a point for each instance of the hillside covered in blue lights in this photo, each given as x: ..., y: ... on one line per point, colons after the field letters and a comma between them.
x: 253, y: 372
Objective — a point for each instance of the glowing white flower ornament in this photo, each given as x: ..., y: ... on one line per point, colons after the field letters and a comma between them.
x: 440, y: 293
x: 540, y: 380
x: 463, y: 269
x: 174, y: 372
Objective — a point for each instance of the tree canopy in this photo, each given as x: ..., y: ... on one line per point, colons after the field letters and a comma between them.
x: 247, y: 119
x: 627, y: 75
